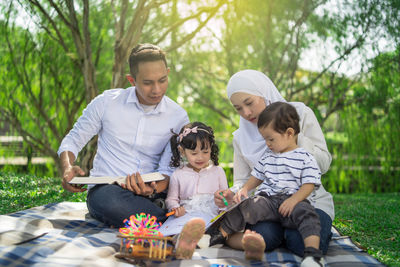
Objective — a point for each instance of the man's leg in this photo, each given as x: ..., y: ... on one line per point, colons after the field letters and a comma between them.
x: 111, y: 204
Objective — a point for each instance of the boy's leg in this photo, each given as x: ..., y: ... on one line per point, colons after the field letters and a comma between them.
x: 306, y: 220
x: 250, y: 211
x: 293, y: 239
x: 190, y: 235
x: 111, y: 204
x: 308, y: 224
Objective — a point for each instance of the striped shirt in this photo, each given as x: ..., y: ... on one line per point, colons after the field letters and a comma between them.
x: 285, y: 173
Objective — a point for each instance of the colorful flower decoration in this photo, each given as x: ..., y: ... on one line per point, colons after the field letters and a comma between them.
x: 141, y: 225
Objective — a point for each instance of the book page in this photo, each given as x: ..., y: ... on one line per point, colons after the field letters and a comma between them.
x: 173, y: 225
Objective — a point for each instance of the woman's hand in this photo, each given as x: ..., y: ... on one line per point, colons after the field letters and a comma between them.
x: 180, y: 211
x: 242, y: 193
x: 219, y: 199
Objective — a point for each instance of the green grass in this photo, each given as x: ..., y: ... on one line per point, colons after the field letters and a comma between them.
x: 371, y: 220
x: 19, y: 192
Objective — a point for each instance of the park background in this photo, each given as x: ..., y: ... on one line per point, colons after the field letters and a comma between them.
x: 341, y: 58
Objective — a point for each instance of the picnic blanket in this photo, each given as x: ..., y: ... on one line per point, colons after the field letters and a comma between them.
x: 64, y: 234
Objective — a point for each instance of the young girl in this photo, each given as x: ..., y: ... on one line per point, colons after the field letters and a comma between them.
x: 197, y: 178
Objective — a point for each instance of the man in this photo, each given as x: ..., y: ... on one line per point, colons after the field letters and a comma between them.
x: 133, y: 126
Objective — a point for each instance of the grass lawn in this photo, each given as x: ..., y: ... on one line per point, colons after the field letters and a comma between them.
x: 371, y: 220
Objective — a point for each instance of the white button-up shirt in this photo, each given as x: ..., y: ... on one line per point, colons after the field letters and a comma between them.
x: 129, y: 140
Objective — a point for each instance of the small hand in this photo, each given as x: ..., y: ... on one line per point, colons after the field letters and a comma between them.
x: 286, y: 208
x: 68, y: 174
x: 180, y: 211
x: 242, y: 193
x: 219, y: 200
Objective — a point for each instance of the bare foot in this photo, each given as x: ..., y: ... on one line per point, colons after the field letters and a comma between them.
x: 253, y: 245
x: 188, y: 238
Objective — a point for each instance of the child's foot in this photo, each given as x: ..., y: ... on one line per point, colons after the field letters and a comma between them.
x: 253, y: 245
x: 217, y: 238
x: 312, y: 258
x: 188, y: 238
x: 310, y: 261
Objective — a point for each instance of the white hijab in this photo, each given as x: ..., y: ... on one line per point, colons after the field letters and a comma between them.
x: 255, y: 83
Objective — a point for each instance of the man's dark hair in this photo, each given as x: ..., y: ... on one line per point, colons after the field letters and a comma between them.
x: 144, y: 53
x: 282, y: 115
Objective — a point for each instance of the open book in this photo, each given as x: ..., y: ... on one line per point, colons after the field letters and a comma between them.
x: 174, y: 225
x: 149, y: 177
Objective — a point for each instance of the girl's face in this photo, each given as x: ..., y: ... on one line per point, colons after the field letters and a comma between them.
x: 198, y: 158
x: 248, y: 106
x: 278, y: 142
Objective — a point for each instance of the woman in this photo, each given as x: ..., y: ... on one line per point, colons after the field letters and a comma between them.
x: 250, y: 92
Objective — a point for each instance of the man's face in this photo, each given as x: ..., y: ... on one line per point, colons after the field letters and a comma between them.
x: 151, y: 82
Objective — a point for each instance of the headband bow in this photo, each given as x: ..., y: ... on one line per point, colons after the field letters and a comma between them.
x: 186, y: 132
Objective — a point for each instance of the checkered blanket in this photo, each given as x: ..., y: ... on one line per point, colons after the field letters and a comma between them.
x: 63, y: 234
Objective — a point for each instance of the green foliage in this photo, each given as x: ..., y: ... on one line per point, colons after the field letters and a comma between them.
x: 19, y: 192
x: 368, y: 161
x: 372, y: 221
x: 45, y: 90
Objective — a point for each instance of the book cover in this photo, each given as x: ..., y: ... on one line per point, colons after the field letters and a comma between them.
x: 149, y: 177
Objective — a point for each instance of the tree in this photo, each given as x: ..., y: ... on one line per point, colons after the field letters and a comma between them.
x: 272, y: 36
x: 81, y: 33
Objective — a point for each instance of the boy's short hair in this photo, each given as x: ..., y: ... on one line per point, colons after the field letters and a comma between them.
x: 144, y: 53
x: 282, y: 115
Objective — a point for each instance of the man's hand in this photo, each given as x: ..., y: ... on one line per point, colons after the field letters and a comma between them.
x: 286, y: 208
x: 134, y: 183
x: 219, y: 200
x: 69, y: 173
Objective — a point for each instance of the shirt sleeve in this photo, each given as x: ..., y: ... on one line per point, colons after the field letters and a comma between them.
x: 87, y: 126
x: 223, y: 183
x: 172, y: 200
x: 166, y: 155
x: 241, y: 170
x: 310, y: 173
x: 257, y: 171
x: 312, y: 139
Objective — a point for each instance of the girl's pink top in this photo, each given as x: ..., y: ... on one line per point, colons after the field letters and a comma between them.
x: 185, y: 183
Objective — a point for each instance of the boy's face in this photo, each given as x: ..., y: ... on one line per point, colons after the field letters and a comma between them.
x: 278, y: 142
x: 151, y: 82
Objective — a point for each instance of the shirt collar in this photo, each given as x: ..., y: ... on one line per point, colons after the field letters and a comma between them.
x: 132, y: 98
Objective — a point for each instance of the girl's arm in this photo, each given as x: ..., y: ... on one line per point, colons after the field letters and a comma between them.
x: 223, y: 182
x: 172, y: 200
x: 312, y: 139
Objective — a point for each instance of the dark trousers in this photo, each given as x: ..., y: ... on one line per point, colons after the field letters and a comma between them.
x: 265, y: 208
x: 111, y: 204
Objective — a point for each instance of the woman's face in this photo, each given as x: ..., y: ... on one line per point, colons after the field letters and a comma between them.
x: 248, y: 106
